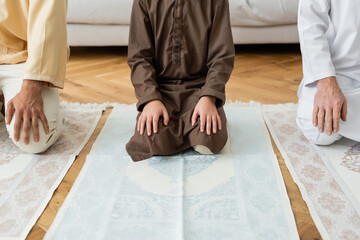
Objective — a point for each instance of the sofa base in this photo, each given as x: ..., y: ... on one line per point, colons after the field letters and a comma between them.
x: 117, y: 35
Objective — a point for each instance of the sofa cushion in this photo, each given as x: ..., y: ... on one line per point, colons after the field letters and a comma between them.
x: 99, y: 11
x: 243, y: 12
x: 263, y: 12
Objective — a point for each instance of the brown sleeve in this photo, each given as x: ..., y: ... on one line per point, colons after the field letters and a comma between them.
x: 141, y: 55
x: 221, y: 53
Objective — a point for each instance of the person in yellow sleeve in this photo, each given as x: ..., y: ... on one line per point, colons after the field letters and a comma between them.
x: 33, y: 55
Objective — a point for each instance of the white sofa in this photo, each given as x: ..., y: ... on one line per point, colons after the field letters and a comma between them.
x: 106, y: 22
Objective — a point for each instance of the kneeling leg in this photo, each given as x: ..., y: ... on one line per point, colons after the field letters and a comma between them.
x: 312, y: 133
x: 209, y: 144
x: 55, y: 120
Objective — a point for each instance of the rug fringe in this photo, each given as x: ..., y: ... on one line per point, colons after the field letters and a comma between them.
x: 118, y: 106
x: 84, y: 106
x: 242, y: 104
x: 279, y: 107
x: 123, y: 107
x: 263, y: 107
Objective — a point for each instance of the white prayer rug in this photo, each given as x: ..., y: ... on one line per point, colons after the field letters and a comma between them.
x: 28, y: 181
x: 238, y: 194
x: 328, y: 177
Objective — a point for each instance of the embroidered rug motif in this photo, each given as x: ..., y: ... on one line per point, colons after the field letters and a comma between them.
x: 328, y: 177
x: 27, y: 181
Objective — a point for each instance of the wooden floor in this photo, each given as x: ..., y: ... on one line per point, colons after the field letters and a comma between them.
x: 268, y: 74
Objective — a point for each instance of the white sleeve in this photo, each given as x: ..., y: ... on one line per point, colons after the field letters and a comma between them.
x: 313, y: 22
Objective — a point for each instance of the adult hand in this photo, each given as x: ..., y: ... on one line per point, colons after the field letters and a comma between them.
x: 329, y: 106
x: 209, y: 116
x: 27, y: 106
x: 150, y: 117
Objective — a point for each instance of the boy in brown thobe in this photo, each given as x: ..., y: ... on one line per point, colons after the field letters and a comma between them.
x: 181, y: 55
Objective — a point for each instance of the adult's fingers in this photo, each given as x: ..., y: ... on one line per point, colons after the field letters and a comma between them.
x: 142, y: 125
x: 336, y: 118
x: 17, y: 126
x: 45, y: 123
x: 166, y: 117
x: 26, y: 128
x: 202, y: 122
x: 344, y: 111
x: 219, y: 122
x: 194, y: 117
x: 35, y: 125
x: 208, y: 125
x: 148, y: 125
x: 155, y: 123
x: 329, y: 121
x: 320, y: 119
x: 214, y: 124
x: 315, y: 116
x: 10, y: 110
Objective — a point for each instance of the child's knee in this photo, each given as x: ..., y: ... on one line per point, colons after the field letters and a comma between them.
x: 208, y: 144
x: 142, y: 146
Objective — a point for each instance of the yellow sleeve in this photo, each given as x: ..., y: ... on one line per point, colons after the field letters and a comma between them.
x: 47, y: 42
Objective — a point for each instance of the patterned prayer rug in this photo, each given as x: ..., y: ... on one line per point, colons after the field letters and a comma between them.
x: 238, y: 194
x: 328, y: 177
x: 27, y: 182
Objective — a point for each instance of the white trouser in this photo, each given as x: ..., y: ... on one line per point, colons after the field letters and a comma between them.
x: 10, y: 85
x: 349, y: 129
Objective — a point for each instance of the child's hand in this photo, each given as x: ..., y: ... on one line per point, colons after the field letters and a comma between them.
x: 150, y: 116
x: 209, y: 116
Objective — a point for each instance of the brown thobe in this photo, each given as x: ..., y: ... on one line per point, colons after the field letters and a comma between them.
x: 179, y: 51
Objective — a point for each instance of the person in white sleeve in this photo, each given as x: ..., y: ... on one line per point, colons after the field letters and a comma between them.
x: 329, y: 94
x: 33, y: 55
